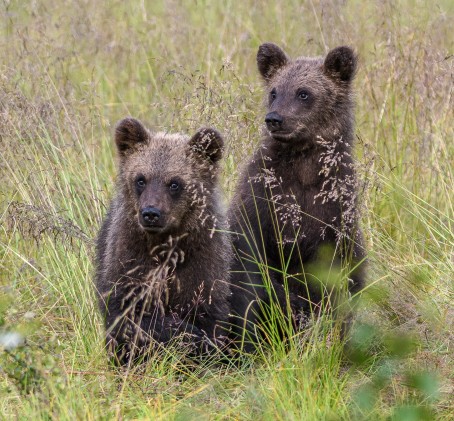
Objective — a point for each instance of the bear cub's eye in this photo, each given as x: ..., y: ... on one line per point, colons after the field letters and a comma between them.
x: 304, y: 95
x: 140, y: 182
x: 174, y: 186
x: 273, y: 95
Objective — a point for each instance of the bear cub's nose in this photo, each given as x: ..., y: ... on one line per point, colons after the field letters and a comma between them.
x: 150, y: 215
x: 273, y: 121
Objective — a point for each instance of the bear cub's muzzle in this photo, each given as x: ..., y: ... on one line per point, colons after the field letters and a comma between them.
x: 150, y: 219
x: 274, y: 121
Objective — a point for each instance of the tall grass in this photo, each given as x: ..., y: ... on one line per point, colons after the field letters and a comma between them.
x: 71, y: 69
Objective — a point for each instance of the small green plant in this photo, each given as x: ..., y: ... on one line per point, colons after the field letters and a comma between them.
x: 27, y: 364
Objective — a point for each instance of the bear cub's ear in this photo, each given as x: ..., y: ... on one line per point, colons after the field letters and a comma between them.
x: 270, y: 58
x: 207, y: 143
x: 340, y: 63
x: 129, y: 133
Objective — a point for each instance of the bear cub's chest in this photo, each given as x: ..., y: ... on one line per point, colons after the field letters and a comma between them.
x: 298, y: 175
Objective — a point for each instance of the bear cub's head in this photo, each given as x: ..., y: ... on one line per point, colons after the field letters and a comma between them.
x: 305, y: 95
x: 167, y: 178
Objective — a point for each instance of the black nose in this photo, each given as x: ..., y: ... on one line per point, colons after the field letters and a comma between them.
x: 150, y: 215
x: 273, y: 121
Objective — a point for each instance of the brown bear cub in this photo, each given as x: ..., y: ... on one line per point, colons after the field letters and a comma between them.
x: 294, y: 212
x: 163, y: 254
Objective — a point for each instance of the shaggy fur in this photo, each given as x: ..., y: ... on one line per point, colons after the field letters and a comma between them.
x: 164, y: 274
x: 294, y: 211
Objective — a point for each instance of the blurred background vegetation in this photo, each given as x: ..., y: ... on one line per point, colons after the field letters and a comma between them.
x: 70, y: 69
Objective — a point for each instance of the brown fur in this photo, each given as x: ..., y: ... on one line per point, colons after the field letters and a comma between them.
x: 295, y: 205
x: 164, y: 276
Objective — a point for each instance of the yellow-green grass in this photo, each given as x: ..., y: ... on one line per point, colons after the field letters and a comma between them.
x: 71, y: 69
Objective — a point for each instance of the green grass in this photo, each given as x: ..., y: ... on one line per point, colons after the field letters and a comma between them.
x: 71, y: 69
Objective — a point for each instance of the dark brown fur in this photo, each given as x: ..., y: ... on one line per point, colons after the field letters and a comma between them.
x: 164, y: 276
x: 295, y: 206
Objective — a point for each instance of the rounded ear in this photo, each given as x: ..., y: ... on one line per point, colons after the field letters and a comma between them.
x: 129, y: 133
x: 207, y: 143
x: 340, y: 63
x: 270, y: 58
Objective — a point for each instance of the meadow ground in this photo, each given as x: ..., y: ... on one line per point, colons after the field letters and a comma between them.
x: 70, y: 69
